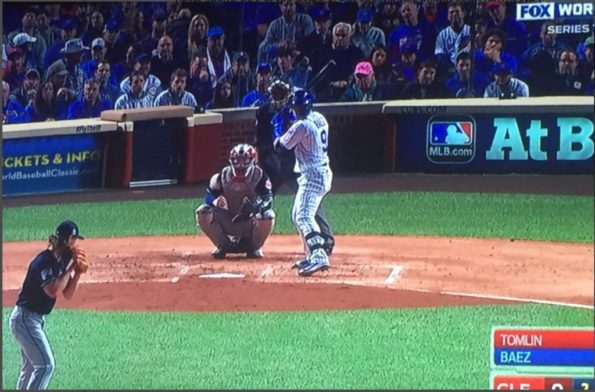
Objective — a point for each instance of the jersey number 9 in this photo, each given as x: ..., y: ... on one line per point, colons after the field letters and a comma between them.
x: 324, y: 140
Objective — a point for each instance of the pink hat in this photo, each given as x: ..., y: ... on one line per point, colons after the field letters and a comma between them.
x: 364, y: 68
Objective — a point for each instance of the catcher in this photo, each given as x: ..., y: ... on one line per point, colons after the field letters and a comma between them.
x: 238, y: 211
x: 55, y: 270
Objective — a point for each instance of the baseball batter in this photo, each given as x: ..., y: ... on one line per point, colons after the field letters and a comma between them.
x: 55, y: 270
x: 237, y: 214
x: 272, y: 121
x: 308, y: 137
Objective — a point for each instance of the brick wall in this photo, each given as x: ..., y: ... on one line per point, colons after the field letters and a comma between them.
x: 359, y: 135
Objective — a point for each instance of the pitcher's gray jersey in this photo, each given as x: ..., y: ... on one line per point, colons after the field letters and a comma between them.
x: 308, y: 138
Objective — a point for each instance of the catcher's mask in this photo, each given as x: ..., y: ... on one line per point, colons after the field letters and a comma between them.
x: 242, y: 158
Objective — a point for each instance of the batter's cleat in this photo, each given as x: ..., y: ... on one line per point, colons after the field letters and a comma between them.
x: 329, y: 244
x: 300, y: 264
x: 255, y: 254
x: 218, y: 253
x: 312, y: 268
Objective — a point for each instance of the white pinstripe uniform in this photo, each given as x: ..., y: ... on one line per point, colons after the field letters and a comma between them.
x: 308, y: 137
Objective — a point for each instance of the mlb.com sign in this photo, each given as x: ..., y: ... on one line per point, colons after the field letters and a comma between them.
x: 450, y: 140
x: 551, y: 10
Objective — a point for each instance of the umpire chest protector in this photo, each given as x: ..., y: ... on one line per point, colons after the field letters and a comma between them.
x: 235, y: 189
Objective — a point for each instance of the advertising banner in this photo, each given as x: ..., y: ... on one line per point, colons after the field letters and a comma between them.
x: 491, y: 143
x: 51, y: 164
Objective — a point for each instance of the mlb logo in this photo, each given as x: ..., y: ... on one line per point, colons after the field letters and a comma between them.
x: 452, y: 133
x: 450, y: 139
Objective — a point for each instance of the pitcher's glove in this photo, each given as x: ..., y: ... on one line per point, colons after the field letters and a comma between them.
x: 247, y: 210
x: 80, y: 260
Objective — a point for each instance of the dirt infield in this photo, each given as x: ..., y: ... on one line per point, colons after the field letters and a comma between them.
x: 164, y: 273
x: 176, y: 273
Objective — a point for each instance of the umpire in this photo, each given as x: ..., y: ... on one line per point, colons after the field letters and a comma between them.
x: 273, y: 120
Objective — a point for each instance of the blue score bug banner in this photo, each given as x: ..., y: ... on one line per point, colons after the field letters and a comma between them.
x: 51, y: 164
x: 499, y: 144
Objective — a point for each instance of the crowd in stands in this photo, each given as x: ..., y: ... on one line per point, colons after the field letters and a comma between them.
x: 74, y: 60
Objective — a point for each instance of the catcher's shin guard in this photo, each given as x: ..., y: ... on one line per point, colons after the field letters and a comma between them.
x: 211, y: 227
x: 263, y: 228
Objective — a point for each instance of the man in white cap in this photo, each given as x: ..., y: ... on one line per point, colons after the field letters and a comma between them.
x: 37, y: 47
x: 24, y: 42
x: 73, y: 52
x: 98, y: 50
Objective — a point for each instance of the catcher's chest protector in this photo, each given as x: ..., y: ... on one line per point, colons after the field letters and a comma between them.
x: 235, y: 190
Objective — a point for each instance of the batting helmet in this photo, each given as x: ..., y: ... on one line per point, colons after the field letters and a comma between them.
x: 302, y: 101
x: 242, y: 159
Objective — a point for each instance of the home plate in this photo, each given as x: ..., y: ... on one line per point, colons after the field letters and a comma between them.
x: 223, y: 275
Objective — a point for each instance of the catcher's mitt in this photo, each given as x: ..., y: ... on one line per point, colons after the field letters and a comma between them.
x: 247, y: 210
x: 80, y: 260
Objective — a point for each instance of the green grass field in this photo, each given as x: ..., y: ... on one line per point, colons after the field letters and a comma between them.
x: 383, y: 349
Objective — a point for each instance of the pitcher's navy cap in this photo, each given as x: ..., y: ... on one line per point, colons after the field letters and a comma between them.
x: 67, y: 229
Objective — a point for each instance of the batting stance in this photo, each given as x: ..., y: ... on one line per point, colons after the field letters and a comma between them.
x: 238, y: 211
x: 55, y: 270
x: 308, y: 137
x: 272, y: 121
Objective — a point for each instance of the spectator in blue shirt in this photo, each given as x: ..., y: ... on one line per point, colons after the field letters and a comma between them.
x: 176, y: 94
x: 200, y: 81
x: 463, y: 84
x: 68, y: 31
x: 98, y: 51
x: 493, y: 53
x: 284, y: 69
x: 413, y: 31
x: 89, y: 105
x: 108, y: 91
x: 516, y: 31
x: 260, y: 95
x: 366, y: 36
x: 11, y: 110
